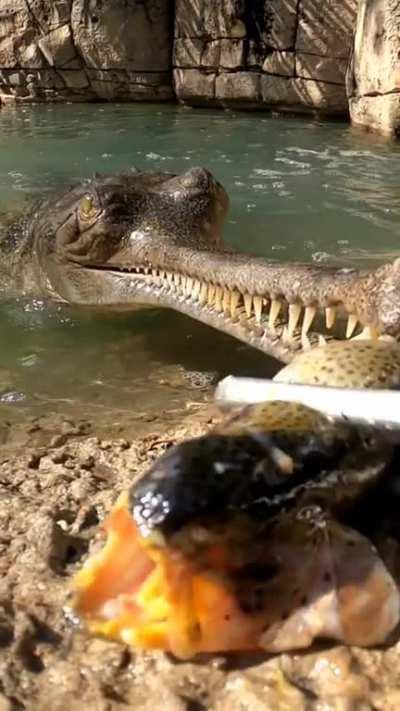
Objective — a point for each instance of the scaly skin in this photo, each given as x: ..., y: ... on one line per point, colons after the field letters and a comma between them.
x: 155, y: 239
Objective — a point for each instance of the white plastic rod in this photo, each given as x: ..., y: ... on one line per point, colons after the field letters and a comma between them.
x: 379, y: 407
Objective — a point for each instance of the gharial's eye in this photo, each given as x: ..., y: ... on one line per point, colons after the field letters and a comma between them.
x: 87, y: 206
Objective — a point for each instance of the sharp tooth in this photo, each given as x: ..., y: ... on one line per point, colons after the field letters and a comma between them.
x: 177, y: 279
x: 235, y: 298
x: 162, y: 273
x: 330, y: 316
x: 218, y: 298
x: 226, y: 301
x: 189, y: 286
x: 211, y: 294
x: 274, y: 312
x: 351, y: 325
x: 321, y: 340
x: 203, y: 292
x: 369, y: 333
x: 154, y: 272
x: 248, y: 300
x: 305, y: 341
x: 258, y: 307
x: 309, y: 316
x: 146, y: 270
x: 294, y: 315
x: 196, y: 288
x: 170, y: 278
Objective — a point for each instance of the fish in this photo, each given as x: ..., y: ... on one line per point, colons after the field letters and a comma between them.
x: 346, y: 364
x: 239, y: 540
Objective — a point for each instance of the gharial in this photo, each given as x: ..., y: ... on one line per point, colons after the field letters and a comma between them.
x: 155, y: 239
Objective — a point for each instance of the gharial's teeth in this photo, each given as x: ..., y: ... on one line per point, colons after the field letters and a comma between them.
x: 235, y: 298
x: 274, y: 312
x: 226, y: 301
x: 248, y: 301
x: 369, y: 333
x: 321, y: 340
x: 258, y: 307
x: 211, y: 294
x: 330, y: 316
x: 146, y: 270
x: 203, y: 292
x: 162, y: 273
x: 154, y: 272
x: 294, y: 315
x: 309, y: 316
x: 189, y: 286
x: 196, y: 288
x: 170, y: 278
x: 177, y: 279
x: 351, y: 325
x: 218, y: 298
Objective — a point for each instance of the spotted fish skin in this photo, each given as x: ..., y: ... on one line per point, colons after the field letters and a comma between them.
x: 347, y: 364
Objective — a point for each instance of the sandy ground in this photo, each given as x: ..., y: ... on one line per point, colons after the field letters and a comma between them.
x: 58, y: 479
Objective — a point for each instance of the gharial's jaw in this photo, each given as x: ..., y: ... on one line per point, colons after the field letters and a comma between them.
x: 277, y: 308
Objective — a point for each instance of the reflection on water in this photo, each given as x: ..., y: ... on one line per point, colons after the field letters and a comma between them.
x: 299, y: 190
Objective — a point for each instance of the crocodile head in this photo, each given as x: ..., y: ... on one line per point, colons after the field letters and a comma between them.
x: 155, y: 239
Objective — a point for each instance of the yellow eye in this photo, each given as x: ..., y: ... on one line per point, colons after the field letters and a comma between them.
x: 86, y: 205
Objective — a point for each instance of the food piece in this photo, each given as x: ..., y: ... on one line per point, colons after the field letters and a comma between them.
x: 230, y: 542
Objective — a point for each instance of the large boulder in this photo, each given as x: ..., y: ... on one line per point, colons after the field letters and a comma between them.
x: 374, y: 74
x: 286, y: 54
x: 85, y: 50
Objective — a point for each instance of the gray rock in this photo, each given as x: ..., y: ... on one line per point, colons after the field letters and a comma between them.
x: 302, y: 95
x: 119, y: 35
x: 56, y: 43
x: 234, y: 38
x: 281, y: 63
x: 374, y: 84
x: 57, y: 46
x: 193, y: 86
x: 238, y: 88
x: 326, y: 28
x: 312, y: 66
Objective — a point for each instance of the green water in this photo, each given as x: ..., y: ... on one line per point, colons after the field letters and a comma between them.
x: 299, y: 190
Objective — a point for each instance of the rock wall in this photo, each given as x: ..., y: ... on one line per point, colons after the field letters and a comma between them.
x: 279, y: 54
x: 85, y: 50
x: 374, y: 76
x: 287, y: 54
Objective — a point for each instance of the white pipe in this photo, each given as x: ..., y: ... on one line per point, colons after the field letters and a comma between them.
x: 379, y: 407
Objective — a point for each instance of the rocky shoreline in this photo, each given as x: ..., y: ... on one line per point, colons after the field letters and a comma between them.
x: 330, y: 58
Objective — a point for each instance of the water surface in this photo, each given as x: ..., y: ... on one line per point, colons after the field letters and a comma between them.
x: 299, y: 190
